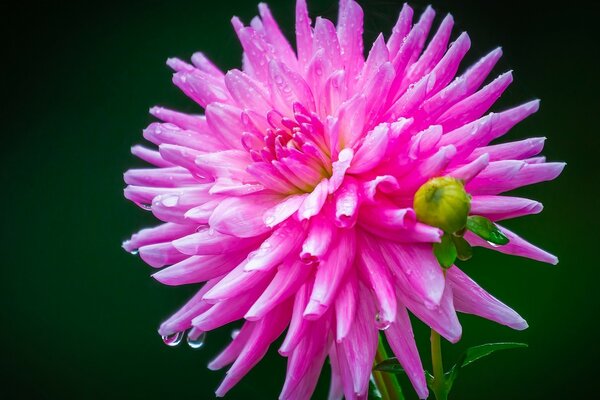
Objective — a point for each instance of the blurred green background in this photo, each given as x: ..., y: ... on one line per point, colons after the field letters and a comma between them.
x: 79, y: 315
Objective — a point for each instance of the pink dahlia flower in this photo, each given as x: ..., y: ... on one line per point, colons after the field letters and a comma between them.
x: 292, y: 196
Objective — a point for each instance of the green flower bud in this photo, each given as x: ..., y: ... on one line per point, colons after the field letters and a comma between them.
x: 444, y: 203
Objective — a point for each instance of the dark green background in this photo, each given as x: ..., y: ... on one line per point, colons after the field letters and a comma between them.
x: 79, y: 315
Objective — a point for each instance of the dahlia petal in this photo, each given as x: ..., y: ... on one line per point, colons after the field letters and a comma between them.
x: 471, y: 170
x: 243, y: 216
x: 273, y: 34
x: 235, y: 347
x: 484, y: 130
x: 330, y: 273
x: 401, y: 339
x: 231, y: 308
x: 298, y: 324
x: 417, y: 233
x: 288, y: 279
x: 516, y: 247
x: 426, y: 169
x: 425, y: 142
x: 400, y: 29
x: 201, y: 62
x: 270, y: 177
x: 306, y: 361
x: 231, y: 187
x: 225, y: 164
x: 470, y: 298
x: 201, y: 214
x: 347, y: 202
x: 371, y: 151
x: 150, y: 156
x: 325, y: 39
x: 288, y: 87
x: 461, y: 87
x: 378, y: 55
x: 351, y: 122
x: 418, y: 267
x: 375, y: 90
x: 172, y: 207
x: 247, y: 92
x: 476, y: 105
x: 314, y: 201
x: 422, y: 28
x: 378, y: 278
x: 446, y: 69
x: 384, y: 184
x: 239, y: 280
x: 159, y: 177
x: 387, y: 216
x: 283, y: 210
x: 158, y: 134
x: 334, y: 91
x: 356, y: 351
x: 340, y: 167
x: 184, y: 121
x: 208, y: 241
x: 198, y: 269
x: 303, y: 33
x: 224, y: 120
x: 256, y: 51
x: 284, y: 240
x: 181, y: 156
x: 498, y: 208
x: 160, y: 254
x: 336, y: 390
x: 402, y: 60
x: 442, y: 319
x: 201, y: 87
x: 502, y: 176
x: 263, y: 334
x: 158, y: 234
x: 345, y: 307
x: 317, y: 240
x: 178, y: 65
x: 349, y: 32
x: 434, y: 51
x: 182, y: 319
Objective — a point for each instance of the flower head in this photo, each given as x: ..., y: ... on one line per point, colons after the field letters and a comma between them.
x: 310, y: 194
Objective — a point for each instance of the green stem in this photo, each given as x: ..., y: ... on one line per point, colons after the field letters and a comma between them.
x: 438, y: 387
x: 386, y: 383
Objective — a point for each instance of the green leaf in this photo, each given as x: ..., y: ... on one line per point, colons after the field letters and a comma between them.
x: 463, y: 249
x: 445, y: 251
x: 486, y: 229
x: 391, y: 365
x: 475, y: 353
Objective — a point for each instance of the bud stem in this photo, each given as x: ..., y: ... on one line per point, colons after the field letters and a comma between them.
x: 438, y: 386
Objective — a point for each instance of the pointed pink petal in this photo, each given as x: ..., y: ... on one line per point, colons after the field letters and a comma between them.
x: 401, y: 339
x: 470, y: 298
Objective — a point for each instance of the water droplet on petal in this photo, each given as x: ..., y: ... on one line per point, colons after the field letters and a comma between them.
x: 170, y: 201
x: 380, y: 323
x: 173, y: 340
x: 235, y: 333
x: 134, y: 252
x: 196, y: 343
x: 144, y: 206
